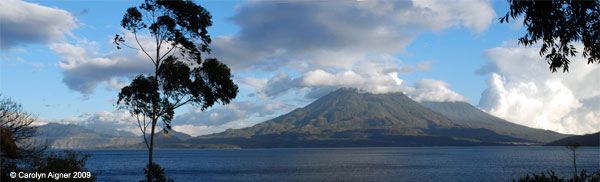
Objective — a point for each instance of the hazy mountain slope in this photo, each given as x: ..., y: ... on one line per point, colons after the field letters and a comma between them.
x: 179, y: 135
x: 170, y: 136
x: 113, y: 132
x: 583, y: 140
x: 170, y: 139
x: 472, y: 116
x: 74, y: 136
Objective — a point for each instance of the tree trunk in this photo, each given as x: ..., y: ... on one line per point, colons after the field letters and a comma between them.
x: 154, y: 109
x: 575, y: 166
x: 150, y: 150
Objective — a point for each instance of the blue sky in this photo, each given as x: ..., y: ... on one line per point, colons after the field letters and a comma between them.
x: 58, y: 61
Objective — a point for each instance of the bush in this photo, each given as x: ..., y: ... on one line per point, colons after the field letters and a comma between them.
x: 550, y: 176
x: 67, y: 161
x: 42, y: 162
x: 158, y: 173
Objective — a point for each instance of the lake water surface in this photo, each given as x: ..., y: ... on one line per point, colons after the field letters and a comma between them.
x: 344, y: 164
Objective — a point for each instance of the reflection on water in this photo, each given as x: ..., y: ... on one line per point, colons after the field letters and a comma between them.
x: 343, y: 164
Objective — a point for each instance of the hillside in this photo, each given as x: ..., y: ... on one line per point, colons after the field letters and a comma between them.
x: 74, y: 136
x: 170, y: 134
x: 472, y: 116
x: 583, y: 140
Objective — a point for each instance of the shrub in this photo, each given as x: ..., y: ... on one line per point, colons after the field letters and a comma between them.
x: 158, y: 173
x: 550, y: 176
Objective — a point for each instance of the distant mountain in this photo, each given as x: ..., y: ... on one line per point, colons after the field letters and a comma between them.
x: 583, y: 140
x: 170, y: 133
x: 74, y: 136
x: 473, y: 117
x: 170, y: 139
x: 347, y: 118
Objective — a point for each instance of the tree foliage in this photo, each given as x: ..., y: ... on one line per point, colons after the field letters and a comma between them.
x: 181, y: 75
x: 559, y: 24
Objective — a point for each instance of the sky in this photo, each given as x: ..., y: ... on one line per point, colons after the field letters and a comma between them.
x: 59, y: 62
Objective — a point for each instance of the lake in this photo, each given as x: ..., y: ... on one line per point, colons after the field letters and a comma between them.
x: 486, y: 163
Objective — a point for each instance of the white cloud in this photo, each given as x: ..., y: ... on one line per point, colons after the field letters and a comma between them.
x: 370, y: 83
x: 434, y: 90
x: 26, y: 23
x: 522, y: 89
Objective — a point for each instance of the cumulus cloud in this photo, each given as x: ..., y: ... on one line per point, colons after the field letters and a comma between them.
x: 26, y: 23
x: 332, y: 34
x: 521, y: 89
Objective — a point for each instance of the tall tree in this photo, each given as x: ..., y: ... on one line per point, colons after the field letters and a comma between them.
x: 559, y: 24
x: 181, y: 76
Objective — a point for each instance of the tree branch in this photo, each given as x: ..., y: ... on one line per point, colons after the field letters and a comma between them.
x: 137, y: 117
x: 142, y: 47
